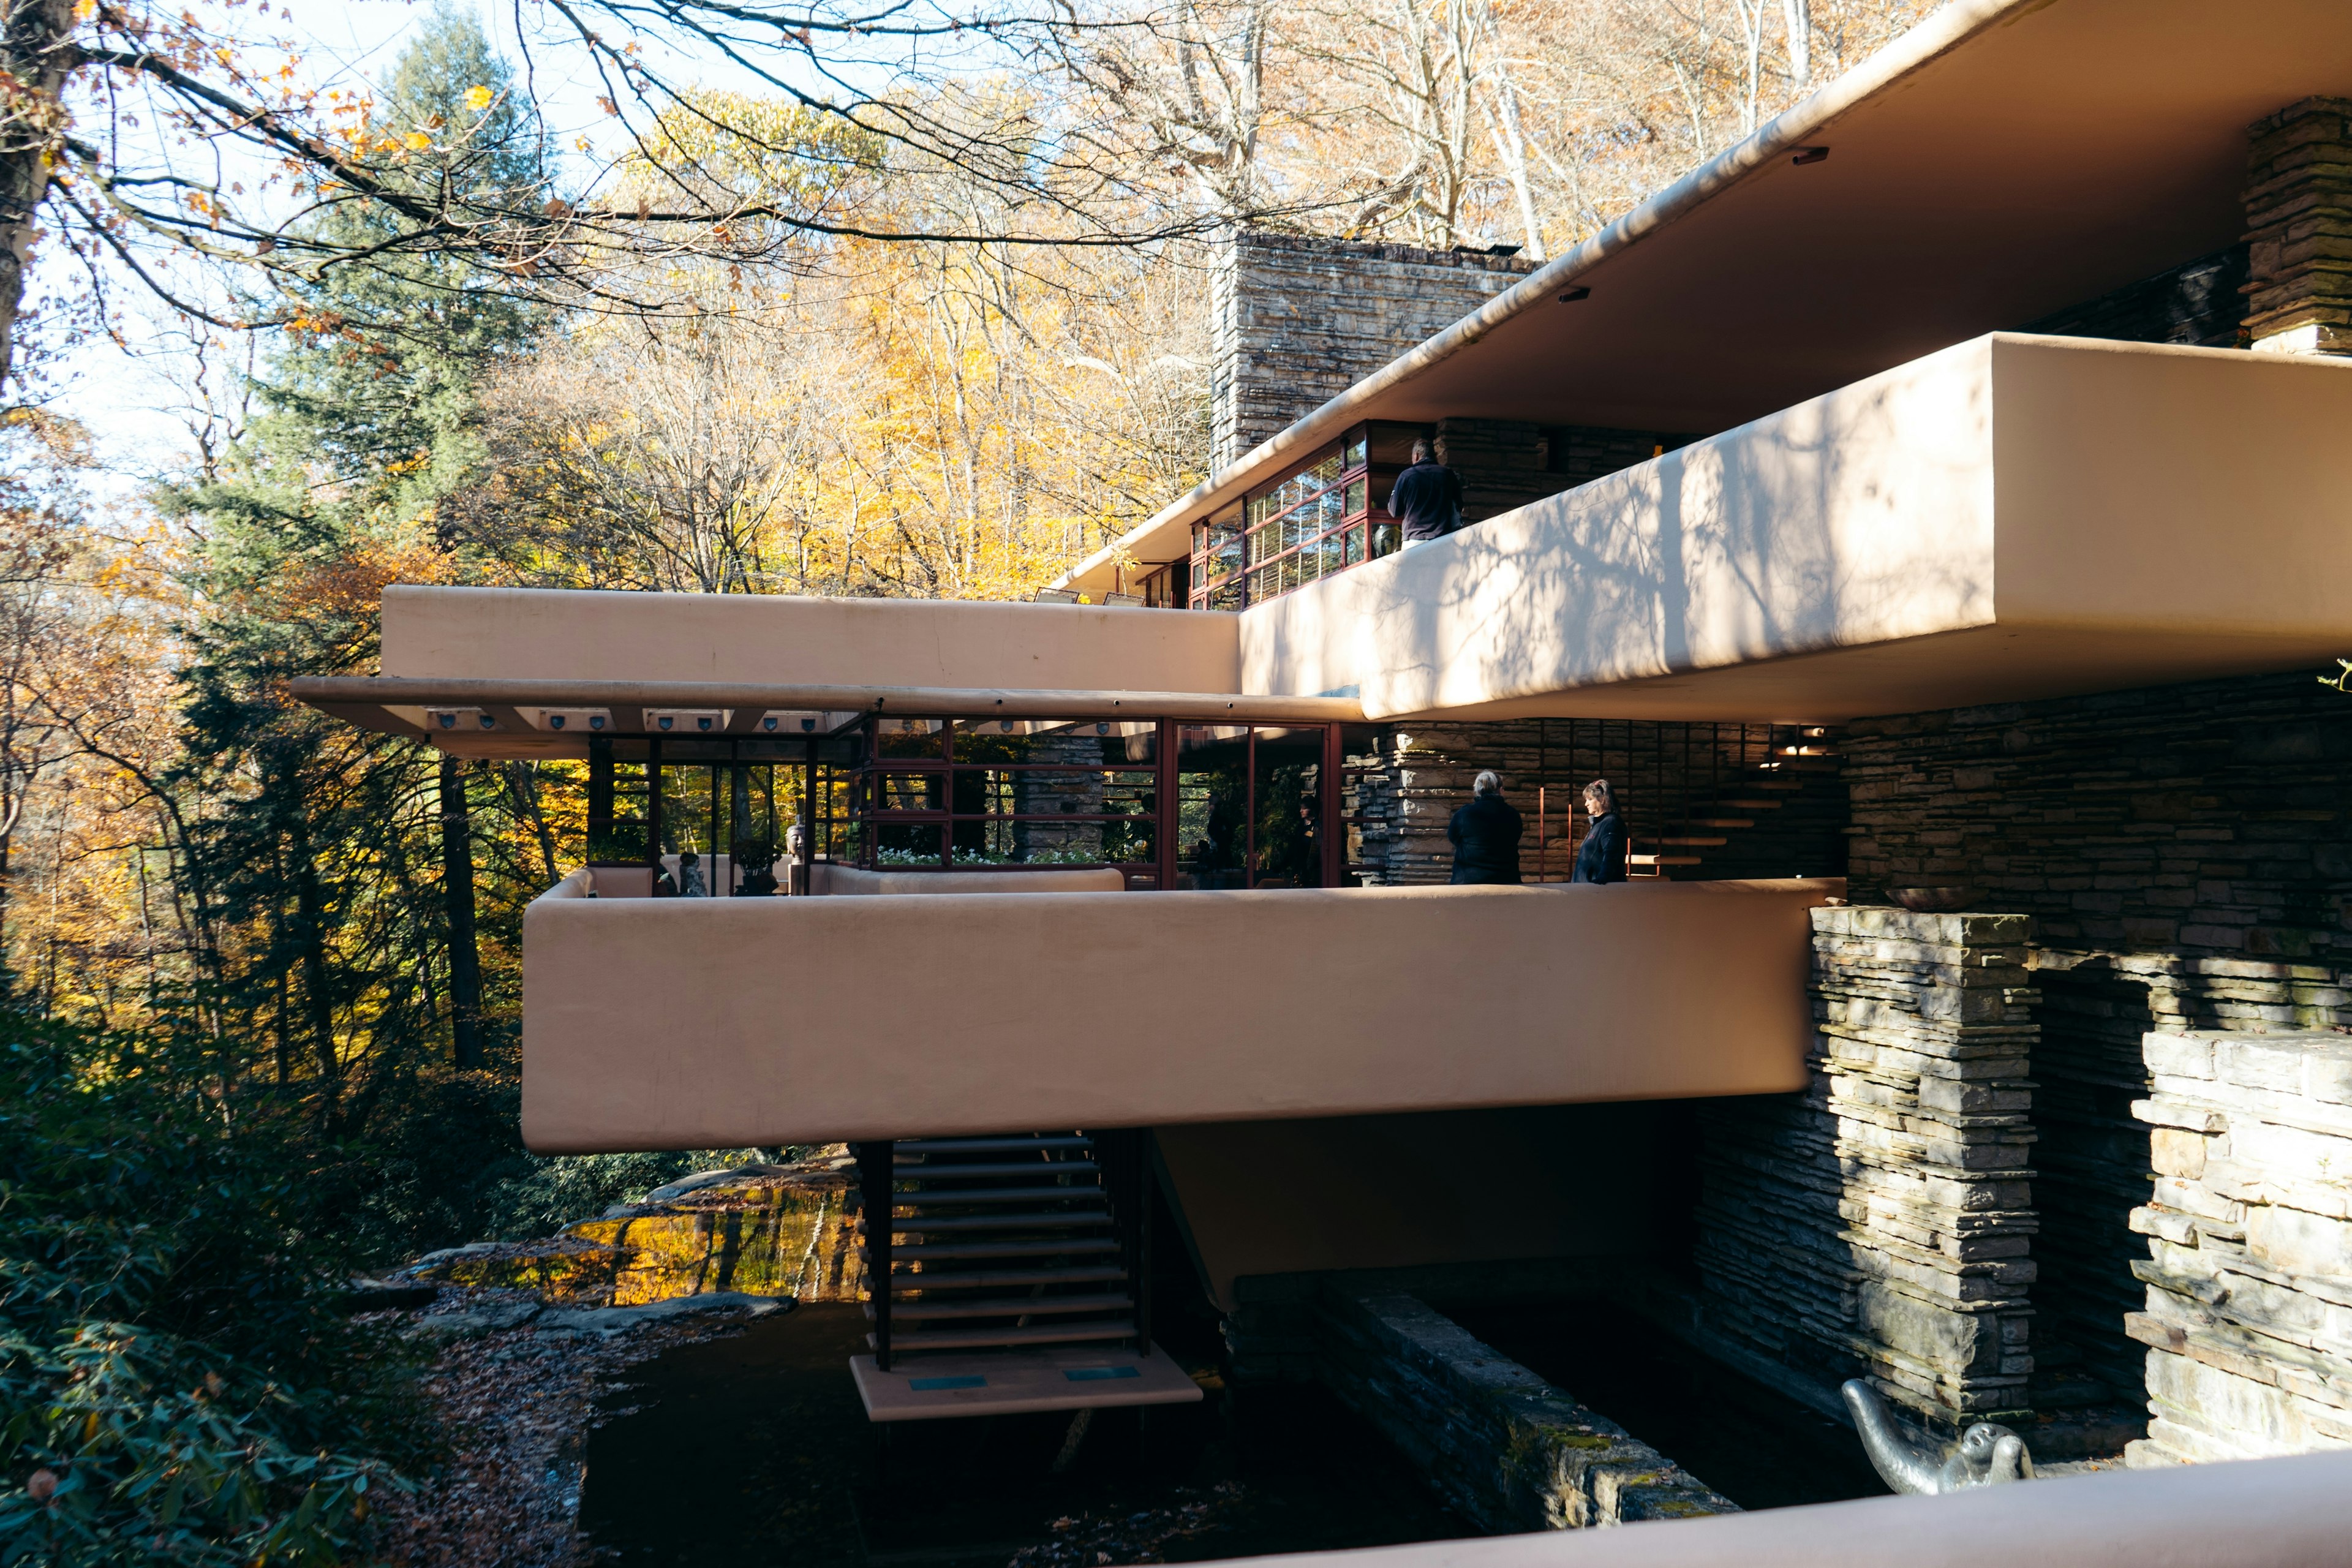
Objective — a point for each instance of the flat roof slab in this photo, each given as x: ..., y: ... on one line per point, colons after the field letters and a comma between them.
x: 933, y: 1388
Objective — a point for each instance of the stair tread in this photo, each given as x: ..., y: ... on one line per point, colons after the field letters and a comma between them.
x: 930, y: 1279
x: 1055, y: 1221
x: 1756, y: 804
x: 922, y: 1170
x: 1722, y: 822
x: 1687, y: 840
x: 950, y: 1197
x: 934, y: 1251
x: 972, y: 1339
x: 1006, y: 1307
x: 990, y: 1145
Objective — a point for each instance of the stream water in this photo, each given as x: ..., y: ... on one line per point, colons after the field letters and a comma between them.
x: 1754, y: 1445
x: 759, y: 1444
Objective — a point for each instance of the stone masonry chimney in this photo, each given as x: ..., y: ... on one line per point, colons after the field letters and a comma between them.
x: 2299, y: 222
x: 1299, y: 320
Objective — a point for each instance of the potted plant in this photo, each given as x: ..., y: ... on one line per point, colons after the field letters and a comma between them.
x: 755, y: 858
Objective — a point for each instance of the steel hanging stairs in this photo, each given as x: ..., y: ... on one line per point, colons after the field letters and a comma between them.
x: 1010, y: 1275
x: 1798, y: 792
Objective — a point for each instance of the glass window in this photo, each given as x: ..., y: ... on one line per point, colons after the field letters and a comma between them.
x: 1057, y: 743
x: 1386, y: 537
x: 1227, y: 596
x: 903, y: 844
x: 1286, y: 824
x: 1227, y: 557
x: 907, y: 792
x: 1212, y: 807
x: 908, y: 738
x: 1359, y: 492
x: 1355, y: 538
x: 1352, y: 455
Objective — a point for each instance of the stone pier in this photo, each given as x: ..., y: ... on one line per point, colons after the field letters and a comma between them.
x: 2249, y: 1272
x: 1880, y: 1226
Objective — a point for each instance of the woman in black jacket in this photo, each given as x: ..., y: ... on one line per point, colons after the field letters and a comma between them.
x: 1486, y: 836
x: 1602, y: 857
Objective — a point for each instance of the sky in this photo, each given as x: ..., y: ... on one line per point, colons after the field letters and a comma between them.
x: 128, y: 399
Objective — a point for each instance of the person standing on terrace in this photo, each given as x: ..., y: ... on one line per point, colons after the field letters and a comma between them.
x: 1427, y: 498
x: 1486, y: 836
x: 1602, y: 857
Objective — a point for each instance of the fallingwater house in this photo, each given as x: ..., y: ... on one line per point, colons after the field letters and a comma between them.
x: 1941, y: 493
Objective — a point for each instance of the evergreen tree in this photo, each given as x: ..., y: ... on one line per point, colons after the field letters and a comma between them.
x: 329, y: 855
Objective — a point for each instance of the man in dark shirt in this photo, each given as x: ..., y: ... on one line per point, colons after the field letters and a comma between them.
x: 1426, y: 498
x: 1486, y: 836
x: 1602, y: 857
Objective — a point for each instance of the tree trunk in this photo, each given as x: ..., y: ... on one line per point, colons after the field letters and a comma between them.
x: 7, y: 970
x: 36, y: 47
x: 1798, y: 17
x: 310, y: 949
x: 458, y: 887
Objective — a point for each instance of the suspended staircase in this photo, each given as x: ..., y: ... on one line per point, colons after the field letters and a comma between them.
x: 1783, y: 814
x: 1009, y: 1274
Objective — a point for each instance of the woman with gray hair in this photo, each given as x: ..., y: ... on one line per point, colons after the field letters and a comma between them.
x: 1486, y: 835
x: 1602, y: 857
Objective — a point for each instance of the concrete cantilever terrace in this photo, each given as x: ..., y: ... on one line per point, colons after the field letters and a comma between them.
x: 976, y: 1012
x: 2014, y: 517
x: 2102, y: 139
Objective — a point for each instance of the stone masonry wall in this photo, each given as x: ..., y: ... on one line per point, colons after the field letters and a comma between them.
x: 1301, y: 319
x: 1498, y: 1443
x: 2197, y: 303
x: 2186, y: 852
x: 1881, y: 1224
x: 2249, y: 1272
x: 2299, y: 222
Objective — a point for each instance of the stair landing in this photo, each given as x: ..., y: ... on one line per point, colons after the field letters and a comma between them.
x: 1007, y: 1381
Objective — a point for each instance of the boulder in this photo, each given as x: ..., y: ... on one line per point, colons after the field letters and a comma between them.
x: 611, y: 1320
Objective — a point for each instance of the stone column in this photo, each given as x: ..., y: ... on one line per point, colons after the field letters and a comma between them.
x: 2299, y: 222
x: 2248, y: 1271
x: 1880, y: 1226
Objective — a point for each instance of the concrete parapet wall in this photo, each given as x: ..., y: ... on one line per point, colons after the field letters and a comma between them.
x: 718, y: 1023
x: 2249, y: 1228
x: 1497, y: 1441
x: 1880, y: 1224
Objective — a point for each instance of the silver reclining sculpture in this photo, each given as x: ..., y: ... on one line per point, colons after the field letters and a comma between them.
x: 1987, y: 1454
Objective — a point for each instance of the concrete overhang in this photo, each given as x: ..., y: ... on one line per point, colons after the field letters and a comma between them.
x: 2011, y: 518
x: 510, y: 652
x: 662, y: 1024
x: 2003, y: 160
x: 400, y: 706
